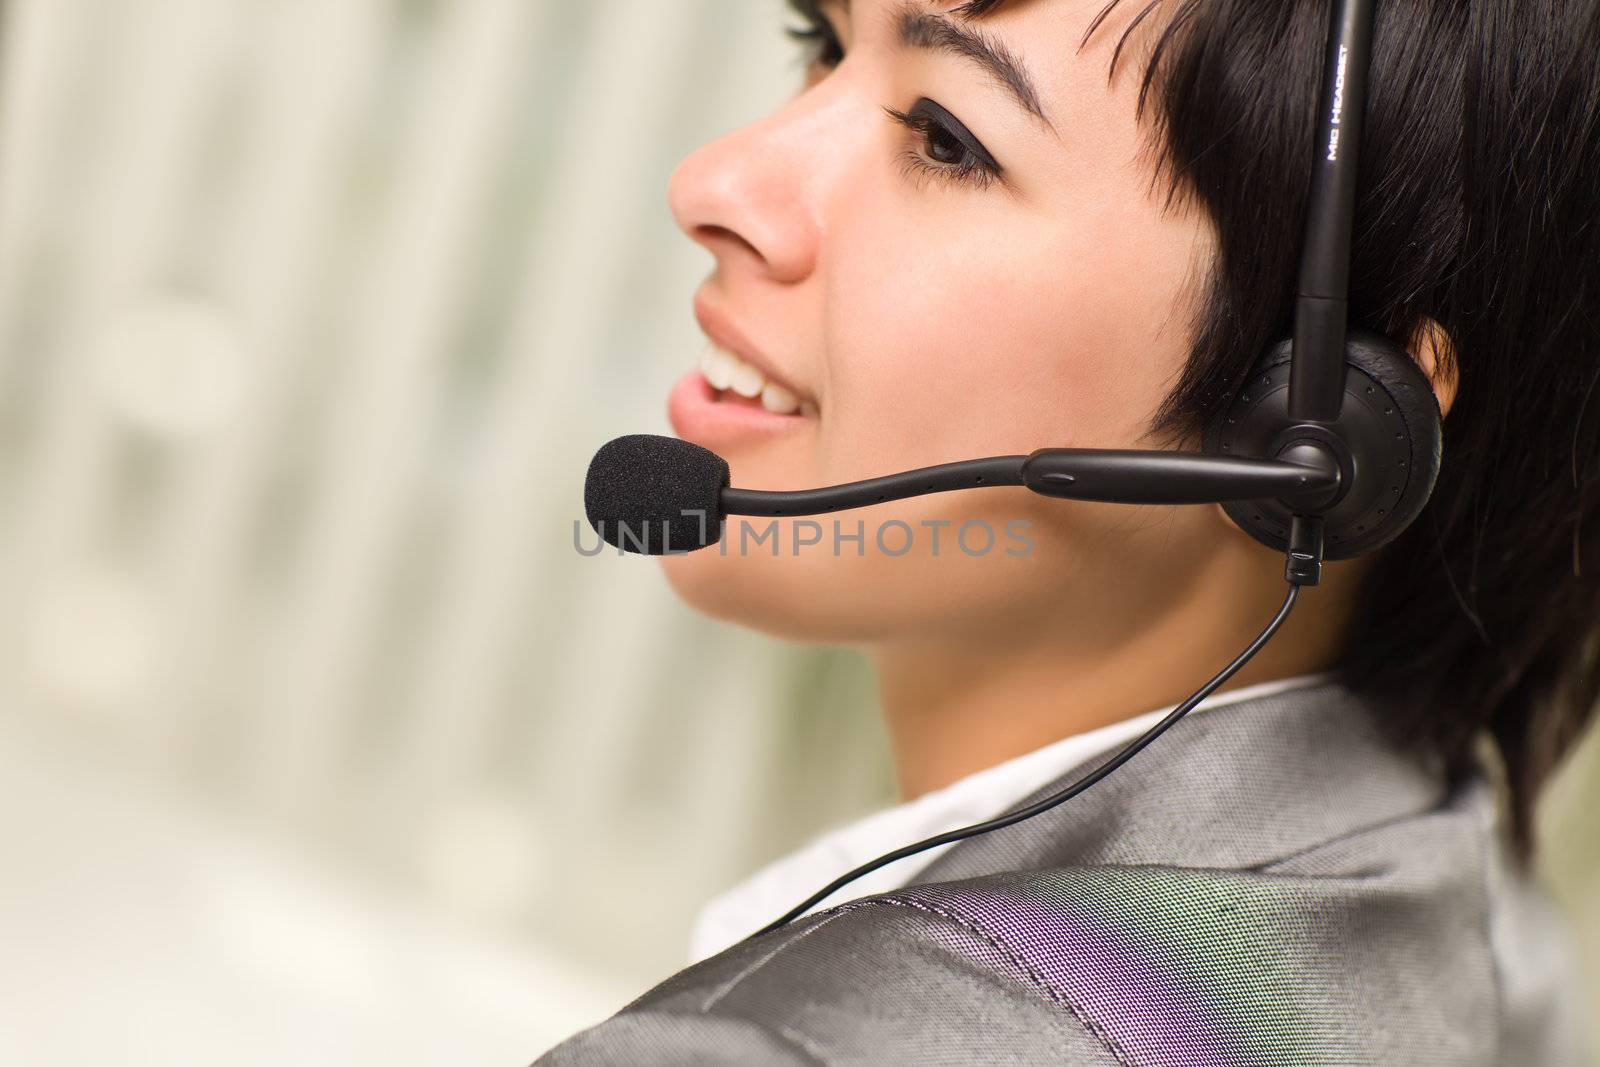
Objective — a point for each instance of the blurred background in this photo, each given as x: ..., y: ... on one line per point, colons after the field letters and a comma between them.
x: 319, y: 743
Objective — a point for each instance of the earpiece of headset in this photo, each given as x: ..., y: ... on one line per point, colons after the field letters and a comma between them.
x: 1385, y: 440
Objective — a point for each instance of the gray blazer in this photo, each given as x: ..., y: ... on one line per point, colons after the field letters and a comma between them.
x: 1272, y: 882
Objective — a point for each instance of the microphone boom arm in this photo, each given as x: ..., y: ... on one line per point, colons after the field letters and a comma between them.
x: 1106, y: 475
x: 1135, y: 477
x: 968, y: 474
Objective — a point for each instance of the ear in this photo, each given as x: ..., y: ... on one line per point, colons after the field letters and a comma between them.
x: 1434, y: 352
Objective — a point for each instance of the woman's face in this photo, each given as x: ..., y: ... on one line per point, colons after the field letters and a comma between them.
x: 951, y: 244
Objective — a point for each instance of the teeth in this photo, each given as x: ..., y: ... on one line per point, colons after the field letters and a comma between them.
x: 718, y: 367
x: 725, y: 371
x: 778, y: 400
x: 747, y: 381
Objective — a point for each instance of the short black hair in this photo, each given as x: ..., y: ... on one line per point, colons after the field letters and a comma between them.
x: 1478, y: 216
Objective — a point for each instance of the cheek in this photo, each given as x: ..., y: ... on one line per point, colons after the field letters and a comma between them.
x: 993, y: 332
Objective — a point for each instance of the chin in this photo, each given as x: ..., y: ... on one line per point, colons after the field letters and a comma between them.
x: 860, y: 600
x: 784, y: 597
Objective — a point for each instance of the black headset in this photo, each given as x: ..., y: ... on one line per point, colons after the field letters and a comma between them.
x: 1356, y: 400
x: 1329, y: 449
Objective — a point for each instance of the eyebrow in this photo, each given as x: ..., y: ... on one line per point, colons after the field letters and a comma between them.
x: 925, y: 30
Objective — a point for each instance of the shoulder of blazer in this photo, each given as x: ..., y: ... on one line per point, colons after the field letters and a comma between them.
x: 1370, y: 949
x: 881, y: 981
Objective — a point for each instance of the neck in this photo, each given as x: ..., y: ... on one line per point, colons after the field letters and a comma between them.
x: 958, y: 703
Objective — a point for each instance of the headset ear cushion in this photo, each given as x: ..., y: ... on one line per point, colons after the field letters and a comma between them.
x: 1388, y: 438
x: 1396, y: 373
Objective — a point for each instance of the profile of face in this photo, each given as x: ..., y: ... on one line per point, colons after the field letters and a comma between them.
x: 953, y: 242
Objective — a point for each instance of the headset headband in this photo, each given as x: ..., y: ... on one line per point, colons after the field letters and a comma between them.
x: 1322, y: 307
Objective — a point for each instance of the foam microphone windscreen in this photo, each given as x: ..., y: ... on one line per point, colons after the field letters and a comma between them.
x: 655, y: 495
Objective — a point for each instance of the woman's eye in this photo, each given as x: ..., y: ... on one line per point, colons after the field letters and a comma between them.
x: 824, y: 50
x: 943, y: 147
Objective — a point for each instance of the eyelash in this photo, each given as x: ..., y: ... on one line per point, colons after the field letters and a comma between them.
x: 976, y: 168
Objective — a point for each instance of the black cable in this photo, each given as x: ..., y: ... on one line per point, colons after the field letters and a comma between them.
x: 1041, y: 806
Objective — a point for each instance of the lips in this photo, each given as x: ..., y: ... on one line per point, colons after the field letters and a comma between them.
x: 719, y: 419
x: 736, y: 394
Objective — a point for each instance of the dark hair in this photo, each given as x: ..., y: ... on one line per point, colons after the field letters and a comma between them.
x: 1479, y: 211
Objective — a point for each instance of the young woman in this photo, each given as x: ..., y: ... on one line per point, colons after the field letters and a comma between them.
x: 988, y: 227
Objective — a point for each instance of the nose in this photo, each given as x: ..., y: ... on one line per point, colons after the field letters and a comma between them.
x: 748, y: 197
